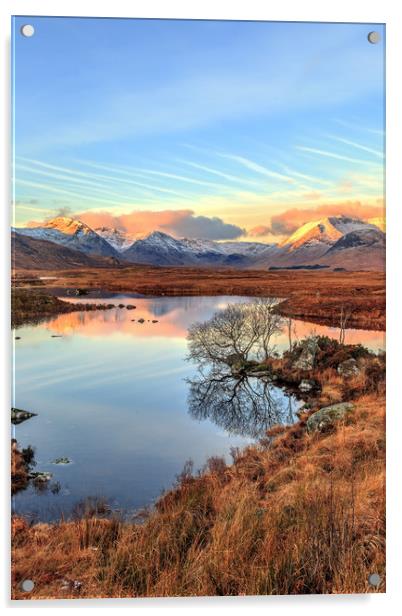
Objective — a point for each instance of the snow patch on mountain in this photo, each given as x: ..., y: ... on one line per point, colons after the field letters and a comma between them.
x: 71, y: 233
x: 120, y: 240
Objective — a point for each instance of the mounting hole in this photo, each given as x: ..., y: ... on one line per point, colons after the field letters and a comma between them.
x: 27, y: 586
x: 374, y: 579
x: 27, y: 30
x: 373, y: 37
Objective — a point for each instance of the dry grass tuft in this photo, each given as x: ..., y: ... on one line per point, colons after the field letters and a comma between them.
x: 302, y: 514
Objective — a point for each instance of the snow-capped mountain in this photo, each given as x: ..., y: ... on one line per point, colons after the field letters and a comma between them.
x: 334, y: 241
x: 71, y: 233
x: 120, y: 240
x: 309, y: 244
x: 159, y: 248
x: 325, y: 231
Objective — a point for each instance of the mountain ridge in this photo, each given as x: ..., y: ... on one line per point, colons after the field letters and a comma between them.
x: 317, y: 242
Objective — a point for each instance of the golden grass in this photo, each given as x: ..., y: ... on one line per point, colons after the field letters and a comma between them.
x: 302, y: 513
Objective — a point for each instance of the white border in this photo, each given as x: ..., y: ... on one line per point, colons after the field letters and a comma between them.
x: 384, y: 11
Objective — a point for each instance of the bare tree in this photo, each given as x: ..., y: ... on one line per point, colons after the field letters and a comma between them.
x: 343, y: 320
x: 228, y: 333
x: 268, y: 323
x: 237, y: 333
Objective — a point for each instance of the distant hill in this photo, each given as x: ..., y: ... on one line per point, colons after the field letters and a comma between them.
x: 30, y: 253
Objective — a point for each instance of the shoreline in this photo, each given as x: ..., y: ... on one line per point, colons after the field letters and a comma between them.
x: 318, y: 297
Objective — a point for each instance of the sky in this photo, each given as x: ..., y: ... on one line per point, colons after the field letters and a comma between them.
x: 212, y: 129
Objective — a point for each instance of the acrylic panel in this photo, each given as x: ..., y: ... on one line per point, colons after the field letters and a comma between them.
x: 198, y: 308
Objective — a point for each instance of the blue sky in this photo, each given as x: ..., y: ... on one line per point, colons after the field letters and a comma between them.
x: 220, y: 127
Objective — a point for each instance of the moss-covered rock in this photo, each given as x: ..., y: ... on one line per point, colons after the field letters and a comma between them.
x: 325, y: 418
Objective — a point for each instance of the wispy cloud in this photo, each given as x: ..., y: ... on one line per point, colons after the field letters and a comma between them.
x: 62, y: 191
x: 358, y: 146
x: 253, y: 166
x: 150, y: 188
x: 349, y: 159
x: 358, y: 127
x: 222, y: 174
x: 92, y: 186
x: 180, y: 178
x: 31, y: 208
x: 309, y: 178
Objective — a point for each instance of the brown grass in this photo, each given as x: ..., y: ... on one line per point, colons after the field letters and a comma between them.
x: 19, y: 469
x: 298, y: 513
x: 316, y: 296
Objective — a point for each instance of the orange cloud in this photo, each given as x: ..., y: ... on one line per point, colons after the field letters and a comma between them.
x: 287, y: 222
x: 179, y: 223
x: 259, y: 231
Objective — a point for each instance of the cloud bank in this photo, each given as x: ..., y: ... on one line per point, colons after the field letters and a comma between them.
x: 179, y: 223
x: 287, y: 222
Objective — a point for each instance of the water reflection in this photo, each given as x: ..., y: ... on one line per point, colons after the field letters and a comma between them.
x: 112, y: 394
x: 245, y: 406
x: 176, y: 314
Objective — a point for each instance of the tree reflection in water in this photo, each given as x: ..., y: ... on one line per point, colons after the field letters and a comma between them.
x: 244, y: 406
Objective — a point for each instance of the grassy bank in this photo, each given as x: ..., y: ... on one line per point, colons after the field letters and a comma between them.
x: 317, y: 296
x: 31, y: 305
x: 300, y: 512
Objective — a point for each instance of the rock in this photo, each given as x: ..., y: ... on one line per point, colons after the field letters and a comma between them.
x: 348, y: 368
x: 307, y: 357
x: 17, y: 338
x: 40, y: 476
x: 141, y: 320
x: 130, y: 307
x: 325, y: 418
x: 71, y: 585
x: 18, y: 416
x: 306, y: 385
x: 155, y: 321
x: 61, y: 461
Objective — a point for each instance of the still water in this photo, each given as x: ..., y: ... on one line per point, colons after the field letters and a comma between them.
x: 111, y: 395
